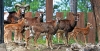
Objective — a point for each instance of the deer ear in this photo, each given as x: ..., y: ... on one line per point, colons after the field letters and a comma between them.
x: 88, y: 22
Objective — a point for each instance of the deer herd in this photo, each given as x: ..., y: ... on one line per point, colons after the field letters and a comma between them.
x: 17, y: 23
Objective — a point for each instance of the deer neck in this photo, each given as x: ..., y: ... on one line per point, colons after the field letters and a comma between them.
x: 74, y: 23
x: 56, y: 27
x: 41, y: 17
x: 87, y: 27
x: 21, y: 23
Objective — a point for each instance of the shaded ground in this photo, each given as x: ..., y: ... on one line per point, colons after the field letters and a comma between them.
x: 18, y: 47
x: 42, y: 47
x: 56, y: 47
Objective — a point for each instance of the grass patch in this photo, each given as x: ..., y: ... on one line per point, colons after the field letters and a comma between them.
x: 42, y: 40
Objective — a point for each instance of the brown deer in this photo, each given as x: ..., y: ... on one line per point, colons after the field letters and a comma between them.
x: 83, y: 31
x: 68, y: 25
x: 49, y: 27
x: 16, y: 28
x: 13, y: 16
x: 28, y: 31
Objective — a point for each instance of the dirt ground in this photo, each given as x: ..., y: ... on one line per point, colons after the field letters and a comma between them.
x: 20, y: 47
x: 56, y: 47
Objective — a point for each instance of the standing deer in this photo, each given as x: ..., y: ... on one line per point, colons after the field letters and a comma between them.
x: 68, y: 25
x: 83, y: 31
x: 16, y: 28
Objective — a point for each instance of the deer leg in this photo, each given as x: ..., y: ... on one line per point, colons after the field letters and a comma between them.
x: 50, y: 40
x: 66, y: 36
x: 74, y: 36
x: 69, y: 36
x: 47, y: 37
x: 85, y: 38
x: 27, y: 37
x: 5, y: 38
x: 35, y: 39
x: 64, y: 39
x: 15, y: 35
x: 27, y: 43
x: 19, y: 37
x: 58, y: 37
x: 9, y: 36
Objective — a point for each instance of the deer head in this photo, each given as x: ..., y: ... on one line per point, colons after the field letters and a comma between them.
x: 22, y: 8
x: 89, y: 25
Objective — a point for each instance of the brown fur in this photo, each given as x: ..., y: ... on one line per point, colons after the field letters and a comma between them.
x: 83, y: 31
x: 11, y: 18
x: 16, y: 28
x: 31, y: 22
x: 48, y: 27
x: 67, y: 26
x: 60, y: 35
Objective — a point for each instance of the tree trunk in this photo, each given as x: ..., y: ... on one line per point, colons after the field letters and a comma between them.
x: 49, y: 10
x: 73, y: 6
x: 96, y: 10
x: 1, y: 22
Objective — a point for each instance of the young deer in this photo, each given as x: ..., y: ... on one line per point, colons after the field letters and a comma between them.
x: 16, y: 28
x: 60, y: 35
x: 84, y: 31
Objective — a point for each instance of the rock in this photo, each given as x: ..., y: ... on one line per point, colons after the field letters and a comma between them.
x: 2, y: 47
x: 68, y: 49
x: 20, y: 48
x: 97, y: 47
x: 75, y: 46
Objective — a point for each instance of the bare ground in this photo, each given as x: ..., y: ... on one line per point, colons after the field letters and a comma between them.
x: 20, y: 47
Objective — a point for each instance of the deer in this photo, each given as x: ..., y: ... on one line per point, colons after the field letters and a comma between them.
x: 21, y: 13
x: 49, y: 27
x: 60, y: 34
x: 16, y: 28
x: 13, y: 16
x: 67, y: 25
x: 28, y: 29
x: 83, y: 31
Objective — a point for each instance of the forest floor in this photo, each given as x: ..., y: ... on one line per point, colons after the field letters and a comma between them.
x: 41, y: 43
x: 17, y: 47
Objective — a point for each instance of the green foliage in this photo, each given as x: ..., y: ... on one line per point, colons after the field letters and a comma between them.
x: 84, y: 5
x: 62, y: 6
x: 34, y: 5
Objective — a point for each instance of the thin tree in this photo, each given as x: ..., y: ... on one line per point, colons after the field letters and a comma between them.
x: 1, y: 22
x: 96, y: 10
x: 73, y: 6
